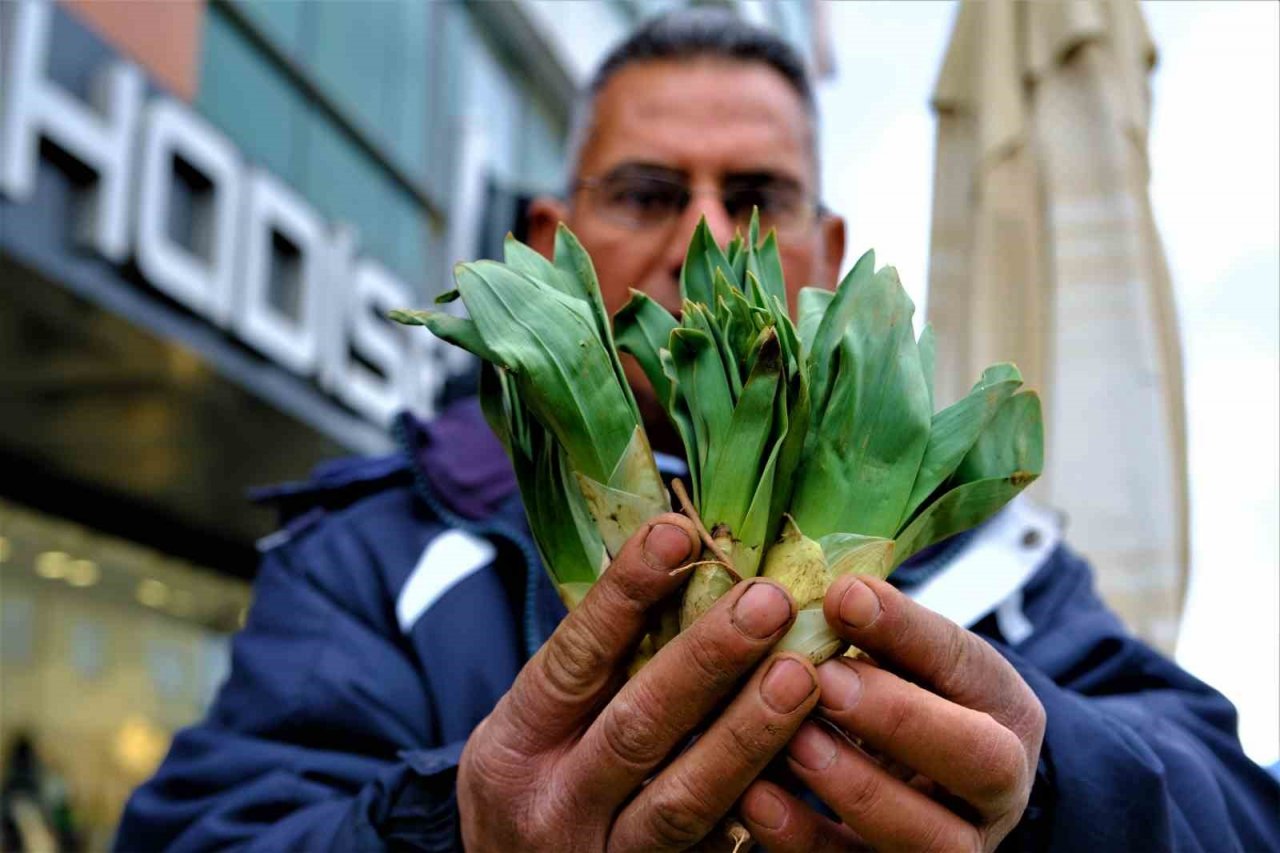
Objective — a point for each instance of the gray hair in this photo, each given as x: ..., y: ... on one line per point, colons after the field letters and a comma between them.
x: 685, y: 34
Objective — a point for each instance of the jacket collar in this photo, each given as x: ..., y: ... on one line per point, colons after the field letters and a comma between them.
x: 462, y: 460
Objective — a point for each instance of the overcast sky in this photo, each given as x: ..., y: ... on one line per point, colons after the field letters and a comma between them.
x: 1215, y: 145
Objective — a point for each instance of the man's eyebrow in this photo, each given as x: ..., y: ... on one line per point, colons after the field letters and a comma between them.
x: 646, y: 170
x: 761, y: 177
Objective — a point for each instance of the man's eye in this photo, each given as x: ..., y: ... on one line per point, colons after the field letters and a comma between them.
x: 771, y: 202
x: 741, y: 203
x: 647, y: 199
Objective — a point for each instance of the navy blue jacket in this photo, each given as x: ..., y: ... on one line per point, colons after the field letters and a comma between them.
x: 403, y: 595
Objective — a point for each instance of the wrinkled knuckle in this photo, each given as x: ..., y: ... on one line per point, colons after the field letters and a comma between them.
x: 512, y: 720
x: 1030, y: 719
x: 680, y: 818
x: 959, y: 653
x: 708, y: 660
x: 896, y: 717
x: 753, y: 742
x: 489, y: 760
x: 955, y: 658
x: 865, y: 794
x: 630, y: 733
x: 543, y: 829
x: 554, y: 808
x: 574, y: 662
x: 999, y: 767
x: 627, y: 590
x: 898, y: 629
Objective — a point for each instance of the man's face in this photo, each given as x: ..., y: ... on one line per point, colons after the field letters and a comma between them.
x: 711, y: 125
x: 716, y: 127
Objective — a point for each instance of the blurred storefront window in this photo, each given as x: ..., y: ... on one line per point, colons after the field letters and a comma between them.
x: 107, y: 648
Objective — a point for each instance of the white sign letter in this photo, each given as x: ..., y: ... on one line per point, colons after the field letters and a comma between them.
x: 100, y: 137
x: 375, y: 340
x: 287, y: 333
x: 203, y: 281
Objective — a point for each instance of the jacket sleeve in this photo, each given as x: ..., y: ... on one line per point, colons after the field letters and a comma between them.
x: 324, y: 735
x: 1138, y: 754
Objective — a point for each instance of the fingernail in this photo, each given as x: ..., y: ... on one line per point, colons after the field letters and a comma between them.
x: 761, y: 610
x: 841, y: 686
x: 859, y: 606
x: 813, y: 748
x: 767, y: 810
x: 667, y: 546
x: 786, y: 685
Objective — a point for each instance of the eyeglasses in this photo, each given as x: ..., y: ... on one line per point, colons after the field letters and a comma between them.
x: 644, y: 201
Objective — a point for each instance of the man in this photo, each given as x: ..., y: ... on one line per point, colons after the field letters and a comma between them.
x: 402, y: 680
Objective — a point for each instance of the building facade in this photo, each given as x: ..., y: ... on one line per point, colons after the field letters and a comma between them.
x: 206, y: 208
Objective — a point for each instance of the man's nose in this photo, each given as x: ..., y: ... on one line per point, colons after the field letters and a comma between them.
x: 705, y: 203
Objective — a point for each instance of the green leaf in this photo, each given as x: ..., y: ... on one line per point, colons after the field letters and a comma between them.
x: 831, y: 328
x: 459, y: 331
x: 812, y: 304
x: 702, y: 318
x: 697, y: 276
x: 740, y: 328
x: 617, y: 513
x: 682, y: 417
x: 738, y: 261
x: 525, y: 259
x: 409, y: 316
x: 791, y: 350
x: 863, y: 454
x: 642, y: 328
x: 567, y: 536
x: 497, y: 397
x: 792, y: 420
x: 702, y: 384
x: 928, y: 356
x: 1012, y: 444
x: 563, y: 530
x: 955, y: 429
x: 1007, y: 457
x: 852, y: 553
x: 734, y: 249
x: 636, y: 473
x: 771, y: 268
x: 551, y: 345
x: 572, y: 260
x: 958, y: 510
x: 733, y: 473
x: 761, y: 521
x: 714, y: 258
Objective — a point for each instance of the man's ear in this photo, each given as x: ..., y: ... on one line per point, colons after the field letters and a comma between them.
x: 545, y: 213
x: 832, y: 248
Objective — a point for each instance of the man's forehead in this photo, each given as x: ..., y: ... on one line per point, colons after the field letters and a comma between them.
x: 700, y: 115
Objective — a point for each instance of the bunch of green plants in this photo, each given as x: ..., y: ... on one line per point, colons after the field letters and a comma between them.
x: 813, y: 446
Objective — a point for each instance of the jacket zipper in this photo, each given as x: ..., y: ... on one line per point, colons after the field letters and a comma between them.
x: 534, y: 632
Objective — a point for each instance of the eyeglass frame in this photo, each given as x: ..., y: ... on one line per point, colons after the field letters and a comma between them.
x: 813, y: 210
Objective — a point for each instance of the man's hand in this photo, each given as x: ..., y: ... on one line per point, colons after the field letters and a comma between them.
x: 971, y: 732
x: 562, y: 762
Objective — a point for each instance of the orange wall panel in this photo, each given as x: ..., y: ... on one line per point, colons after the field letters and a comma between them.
x: 163, y: 36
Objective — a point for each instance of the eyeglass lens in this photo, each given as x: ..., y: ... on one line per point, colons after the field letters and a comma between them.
x: 643, y: 201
